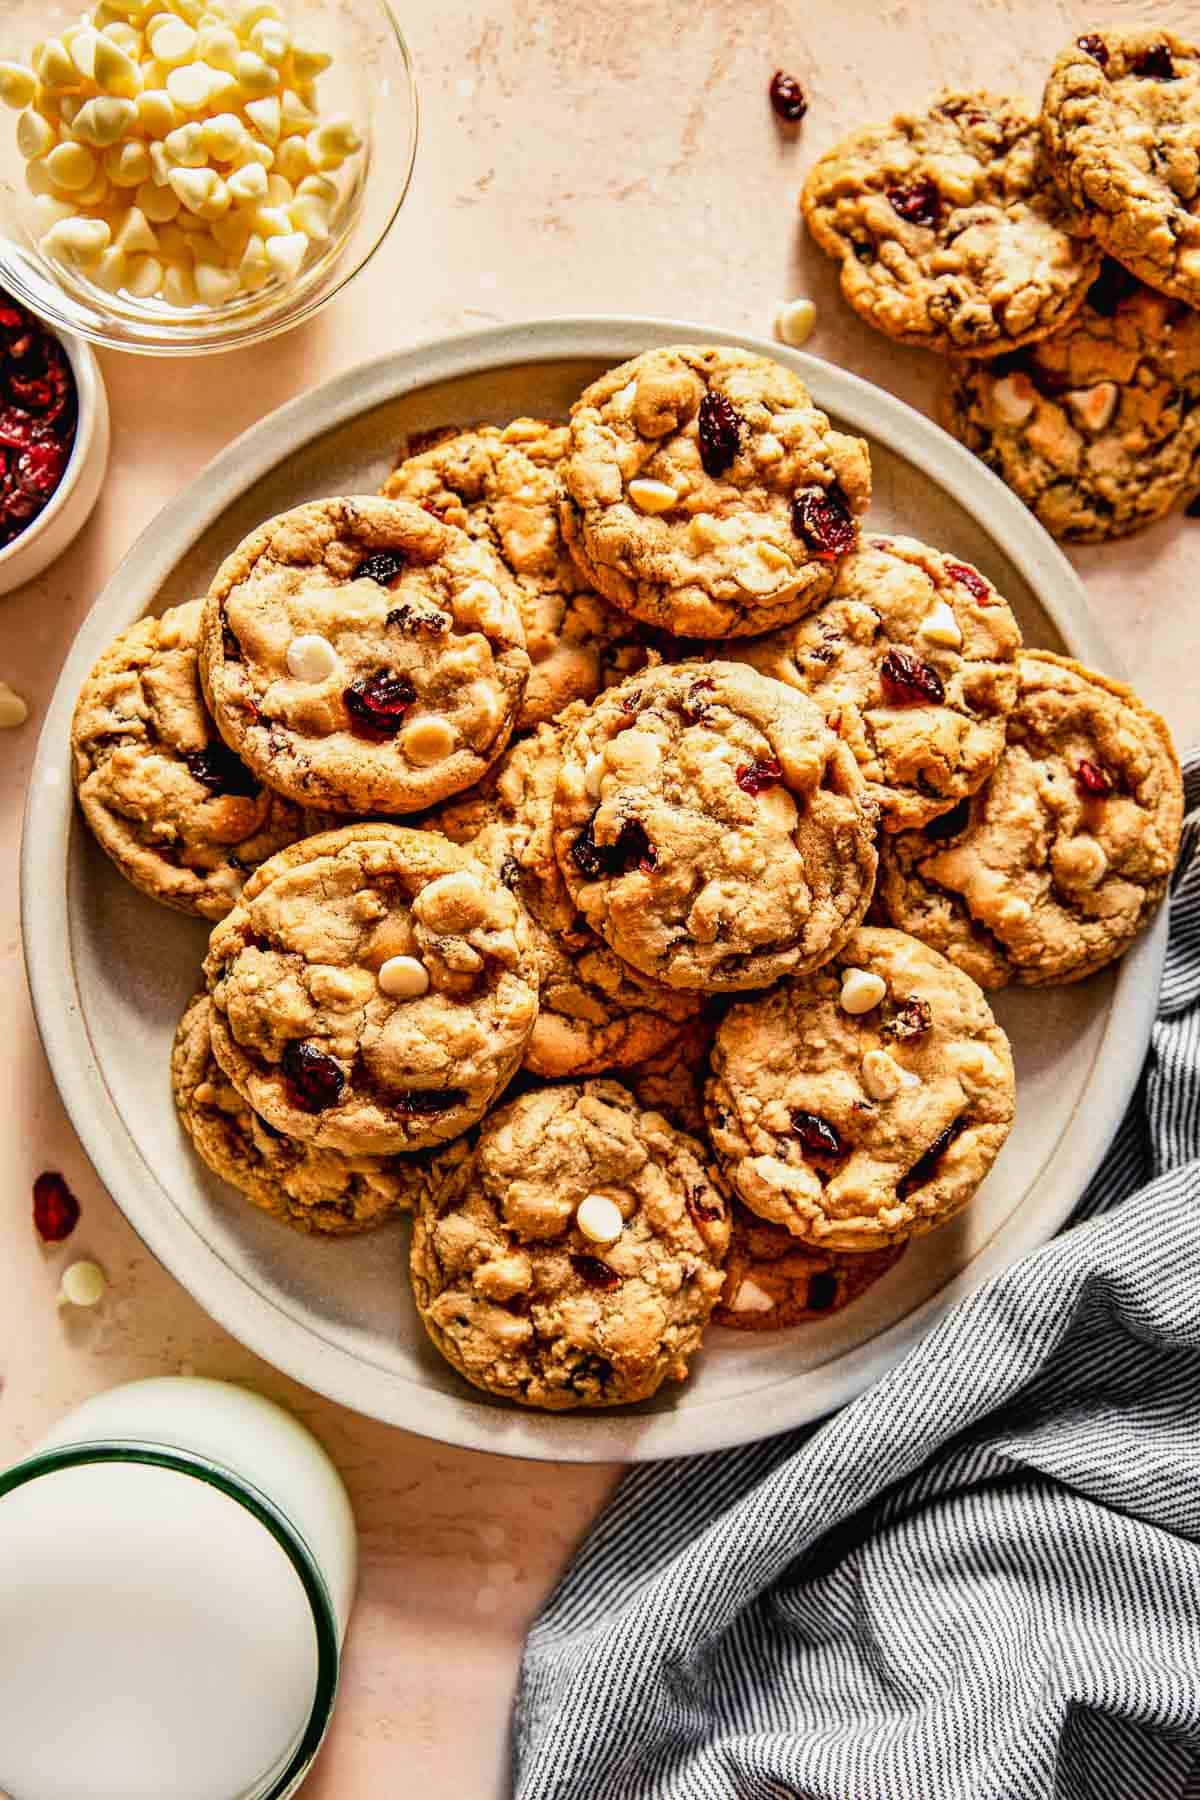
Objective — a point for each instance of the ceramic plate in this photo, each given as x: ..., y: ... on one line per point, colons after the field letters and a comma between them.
x: 110, y: 971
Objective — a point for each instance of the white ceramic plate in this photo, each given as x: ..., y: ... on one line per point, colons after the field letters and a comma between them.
x: 110, y: 972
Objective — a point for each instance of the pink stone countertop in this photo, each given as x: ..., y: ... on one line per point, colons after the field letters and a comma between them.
x: 577, y: 156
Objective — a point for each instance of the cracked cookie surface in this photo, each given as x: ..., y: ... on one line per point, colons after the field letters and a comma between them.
x: 182, y: 818
x: 1096, y: 429
x: 520, y: 1300
x: 856, y: 1129
x: 361, y: 656
x: 773, y: 1281
x: 1121, y: 121
x: 373, y: 990
x: 948, y: 227
x: 712, y: 828
x: 912, y: 660
x: 705, y: 493
x: 325, y: 1192
x: 500, y: 484
x: 1052, y: 869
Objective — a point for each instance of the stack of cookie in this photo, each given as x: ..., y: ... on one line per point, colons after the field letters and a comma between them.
x: 540, y: 802
x: 1055, y: 258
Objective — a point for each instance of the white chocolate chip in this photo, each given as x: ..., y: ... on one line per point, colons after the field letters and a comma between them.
x: 13, y: 710
x: 77, y: 239
x: 286, y: 252
x: 794, y: 321
x: 403, y: 978
x: 35, y: 135
x: 1092, y: 408
x: 861, y: 991
x: 882, y: 1075
x: 1082, y: 859
x: 751, y: 1298
x: 772, y: 555
x: 939, y: 626
x: 214, y: 283
x: 254, y: 76
x: 599, y: 1219
x: 248, y: 184
x: 18, y: 85
x: 265, y: 116
x: 768, y: 449
x: 71, y: 167
x: 83, y: 1284
x: 593, y: 773
x: 1013, y: 399
x: 652, y: 496
x: 427, y: 741
x: 311, y: 657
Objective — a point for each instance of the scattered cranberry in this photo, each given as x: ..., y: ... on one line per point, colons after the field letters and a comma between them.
x: 377, y: 704
x: 701, y: 1210
x: 220, y: 771
x: 1155, y: 63
x: 1113, y: 284
x: 816, y: 1134
x: 1095, y: 47
x: 787, y: 97
x: 422, y: 1103
x: 631, y: 702
x: 972, y: 580
x: 596, y: 1273
x: 38, y: 410
x: 822, y: 1291
x: 764, y: 772
x: 315, y: 1079
x: 925, y: 1166
x: 383, y: 566
x: 912, y: 1018
x: 55, y: 1208
x: 631, y: 850
x: 1091, y: 779
x: 412, y: 615
x: 907, y: 681
x: 920, y: 204
x: 719, y: 426
x: 696, y: 701
x: 823, y: 520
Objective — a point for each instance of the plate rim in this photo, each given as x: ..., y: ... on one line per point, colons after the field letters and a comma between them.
x: 226, y: 1294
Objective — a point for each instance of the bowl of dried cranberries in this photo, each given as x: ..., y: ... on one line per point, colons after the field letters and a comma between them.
x: 53, y: 442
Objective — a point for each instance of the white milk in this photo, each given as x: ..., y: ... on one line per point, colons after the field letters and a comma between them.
x: 156, y: 1640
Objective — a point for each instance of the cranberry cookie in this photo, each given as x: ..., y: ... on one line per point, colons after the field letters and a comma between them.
x: 1054, y: 867
x: 864, y: 1103
x: 912, y: 660
x: 706, y: 494
x: 362, y: 656
x: 373, y: 991
x: 569, y: 1253
x: 773, y: 1281
x: 712, y: 828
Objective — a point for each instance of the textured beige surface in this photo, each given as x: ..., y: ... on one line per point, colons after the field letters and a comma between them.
x: 645, y: 129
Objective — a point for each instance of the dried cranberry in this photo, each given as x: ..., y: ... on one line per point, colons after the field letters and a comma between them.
x: 822, y: 1291
x: 11, y: 317
x: 220, y: 771
x: 383, y: 566
x: 1095, y: 47
x: 910, y: 1018
x: 589, y: 1371
x: 787, y: 97
x: 1090, y: 778
x: 377, y: 704
x: 34, y: 392
x: 702, y: 1209
x: 822, y: 518
x: 925, y: 1166
x: 231, y: 649
x: 764, y: 772
x: 1112, y: 285
x: 631, y: 702
x: 412, y: 615
x: 907, y: 681
x: 55, y: 1208
x: 40, y: 468
x: 719, y: 426
x: 314, y: 1078
x: 1155, y: 63
x: 816, y: 1134
x: 919, y: 204
x: 632, y: 849
x: 422, y: 1103
x: 696, y: 703
x: 510, y: 872
x: 972, y: 580
x: 596, y: 1273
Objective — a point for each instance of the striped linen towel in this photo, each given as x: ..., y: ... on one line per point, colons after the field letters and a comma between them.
x: 979, y: 1581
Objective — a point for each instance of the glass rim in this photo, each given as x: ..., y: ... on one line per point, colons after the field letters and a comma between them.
x: 262, y: 1508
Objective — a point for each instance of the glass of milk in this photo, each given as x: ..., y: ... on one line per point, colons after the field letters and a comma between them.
x: 177, y: 1566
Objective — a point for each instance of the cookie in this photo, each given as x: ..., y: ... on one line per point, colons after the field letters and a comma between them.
x: 373, y: 990
x: 594, y: 1012
x: 705, y: 494
x: 773, y: 1281
x: 500, y: 484
x: 912, y: 660
x: 1121, y: 121
x: 672, y: 1080
x: 1096, y: 429
x: 320, y: 1191
x: 569, y: 1253
x: 948, y: 227
x: 864, y: 1103
x: 361, y: 656
x: 1054, y: 867
x: 179, y: 815
x: 712, y: 828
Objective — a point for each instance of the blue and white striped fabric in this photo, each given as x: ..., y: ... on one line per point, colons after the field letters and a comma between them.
x: 980, y: 1581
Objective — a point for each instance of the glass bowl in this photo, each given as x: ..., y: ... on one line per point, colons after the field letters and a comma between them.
x: 370, y: 79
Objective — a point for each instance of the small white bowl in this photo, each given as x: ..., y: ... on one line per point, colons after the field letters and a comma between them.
x: 69, y: 507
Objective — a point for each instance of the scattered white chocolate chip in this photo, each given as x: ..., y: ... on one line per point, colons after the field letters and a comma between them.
x: 17, y: 85
x: 1092, y: 408
x: 751, y: 1298
x: 83, y: 1284
x: 403, y: 978
x: 427, y: 741
x: 599, y: 1219
x: 1082, y: 859
x: 861, y: 991
x: 1013, y: 399
x: 13, y: 710
x: 593, y: 774
x: 794, y: 321
x: 881, y: 1075
x: 311, y: 657
x: 939, y: 626
x: 652, y: 496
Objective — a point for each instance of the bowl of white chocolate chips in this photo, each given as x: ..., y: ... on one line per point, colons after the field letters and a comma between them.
x: 192, y: 175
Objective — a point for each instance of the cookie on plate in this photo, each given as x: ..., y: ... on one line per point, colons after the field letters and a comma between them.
x: 773, y: 1281
x: 359, y: 655
x: 1054, y: 867
x: 1096, y: 429
x: 500, y: 484
x: 569, y: 1253
x: 948, y: 227
x: 706, y: 494
x: 912, y: 660
x: 324, y: 1192
x: 594, y: 1012
x: 177, y: 812
x: 864, y: 1103
x: 373, y: 990
x: 1121, y: 121
x: 672, y: 1081
x: 712, y: 828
